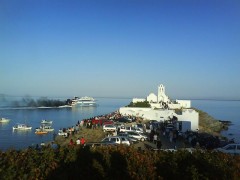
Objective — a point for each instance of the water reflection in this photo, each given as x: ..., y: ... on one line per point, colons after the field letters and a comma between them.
x: 85, y: 109
x: 27, y: 131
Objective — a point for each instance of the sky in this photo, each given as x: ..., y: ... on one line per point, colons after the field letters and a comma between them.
x: 120, y: 48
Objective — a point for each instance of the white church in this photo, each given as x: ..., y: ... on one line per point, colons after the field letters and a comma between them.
x: 161, y: 100
x: 162, y: 108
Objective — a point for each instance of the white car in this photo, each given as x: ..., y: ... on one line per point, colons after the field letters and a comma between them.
x: 233, y: 149
x: 140, y: 137
x: 126, y: 135
x: 61, y: 133
x: 125, y: 141
x: 130, y: 128
x: 109, y: 127
x: 114, y: 139
x: 117, y: 140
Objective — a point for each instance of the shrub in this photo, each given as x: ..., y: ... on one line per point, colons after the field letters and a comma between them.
x: 116, y: 162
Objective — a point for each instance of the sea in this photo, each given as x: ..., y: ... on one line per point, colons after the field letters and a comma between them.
x: 68, y: 117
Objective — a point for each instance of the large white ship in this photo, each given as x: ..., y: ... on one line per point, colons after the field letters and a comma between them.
x: 83, y: 101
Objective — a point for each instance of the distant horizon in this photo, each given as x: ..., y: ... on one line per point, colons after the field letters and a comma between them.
x: 118, y: 97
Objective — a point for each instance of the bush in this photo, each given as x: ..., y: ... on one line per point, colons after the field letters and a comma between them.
x: 139, y: 104
x: 118, y: 162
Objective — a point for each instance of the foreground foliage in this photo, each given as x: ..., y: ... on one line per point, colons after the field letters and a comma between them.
x: 116, y: 163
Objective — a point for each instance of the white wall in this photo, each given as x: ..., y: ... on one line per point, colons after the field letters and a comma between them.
x: 174, y: 106
x: 192, y: 116
x: 184, y: 103
x: 152, y: 98
x: 147, y: 113
x: 135, y: 100
x: 155, y: 105
x: 160, y: 114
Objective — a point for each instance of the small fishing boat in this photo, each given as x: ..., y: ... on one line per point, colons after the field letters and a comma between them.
x: 45, y: 128
x: 22, y: 127
x: 46, y: 122
x: 40, y: 132
x: 4, y: 120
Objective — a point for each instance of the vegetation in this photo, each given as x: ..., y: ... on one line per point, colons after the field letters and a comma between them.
x: 116, y: 163
x: 139, y: 104
x: 91, y: 135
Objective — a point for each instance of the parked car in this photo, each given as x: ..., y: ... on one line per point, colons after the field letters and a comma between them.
x: 114, y: 139
x: 118, y: 124
x: 130, y: 128
x: 62, y: 133
x: 233, y: 149
x: 140, y: 137
x: 117, y: 140
x: 125, y: 140
x: 109, y: 127
x: 124, y: 120
x: 139, y: 126
x: 105, y: 122
x: 126, y: 135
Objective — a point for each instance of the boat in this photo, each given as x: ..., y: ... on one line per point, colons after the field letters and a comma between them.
x: 40, y: 131
x: 4, y: 120
x: 22, y: 127
x: 83, y: 101
x: 45, y: 128
x: 46, y: 122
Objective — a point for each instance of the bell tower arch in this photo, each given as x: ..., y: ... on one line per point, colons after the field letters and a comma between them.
x: 161, y: 94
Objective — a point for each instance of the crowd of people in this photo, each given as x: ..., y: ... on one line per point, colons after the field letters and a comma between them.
x: 156, y: 131
x: 79, y: 141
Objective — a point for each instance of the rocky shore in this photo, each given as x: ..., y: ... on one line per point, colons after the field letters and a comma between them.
x: 210, y: 125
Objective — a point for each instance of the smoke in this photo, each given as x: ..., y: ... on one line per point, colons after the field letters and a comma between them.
x: 27, y: 101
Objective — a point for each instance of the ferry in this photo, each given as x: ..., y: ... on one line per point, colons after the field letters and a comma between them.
x: 84, y: 101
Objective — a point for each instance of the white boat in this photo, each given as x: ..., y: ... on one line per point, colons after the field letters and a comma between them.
x: 46, y: 122
x: 84, y: 101
x: 4, y: 120
x: 22, y: 127
x: 45, y: 128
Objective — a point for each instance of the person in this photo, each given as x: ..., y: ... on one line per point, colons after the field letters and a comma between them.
x: 71, y: 142
x: 78, y: 142
x: 155, y: 138
x: 82, y: 141
x: 159, y: 144
x: 54, y: 145
x: 42, y: 144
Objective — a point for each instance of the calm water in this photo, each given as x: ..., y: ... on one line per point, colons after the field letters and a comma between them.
x: 223, y: 110
x: 61, y: 117
x: 66, y: 117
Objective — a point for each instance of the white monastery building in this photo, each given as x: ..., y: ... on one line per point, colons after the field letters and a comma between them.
x: 162, y: 108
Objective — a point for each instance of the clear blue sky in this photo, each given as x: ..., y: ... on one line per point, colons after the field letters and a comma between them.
x: 120, y: 48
